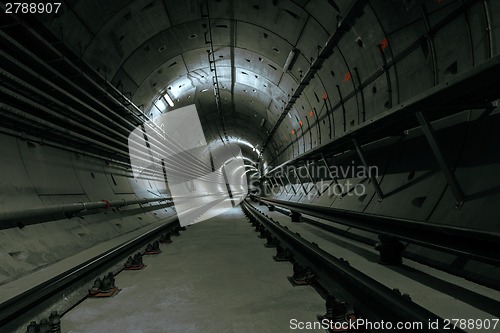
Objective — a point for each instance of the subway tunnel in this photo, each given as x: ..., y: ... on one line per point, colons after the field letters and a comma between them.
x: 359, y: 138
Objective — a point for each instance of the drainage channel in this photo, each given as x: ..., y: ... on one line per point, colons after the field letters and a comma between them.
x: 23, y: 304
x: 354, y: 300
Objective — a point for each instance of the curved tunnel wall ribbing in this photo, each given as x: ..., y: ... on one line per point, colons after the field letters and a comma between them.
x: 392, y: 52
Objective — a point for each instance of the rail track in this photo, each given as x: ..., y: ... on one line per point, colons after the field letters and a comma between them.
x: 24, y: 303
x: 348, y: 289
x: 351, y: 294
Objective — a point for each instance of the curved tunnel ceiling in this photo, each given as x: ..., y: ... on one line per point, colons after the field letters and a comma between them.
x: 146, y: 48
x: 407, y: 88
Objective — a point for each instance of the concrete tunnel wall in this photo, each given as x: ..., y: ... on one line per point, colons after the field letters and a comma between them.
x: 255, y: 38
x: 41, y: 175
x: 408, y: 171
x: 423, y: 43
x: 415, y: 188
x: 387, y: 32
x: 36, y: 175
x: 413, y: 185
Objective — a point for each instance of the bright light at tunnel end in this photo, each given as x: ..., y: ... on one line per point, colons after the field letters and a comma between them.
x: 203, y: 182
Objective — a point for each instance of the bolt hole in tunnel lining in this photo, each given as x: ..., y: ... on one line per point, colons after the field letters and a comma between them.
x: 452, y: 69
x: 18, y: 255
x: 418, y: 202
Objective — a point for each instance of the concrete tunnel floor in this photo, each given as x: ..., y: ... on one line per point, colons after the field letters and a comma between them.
x: 216, y: 277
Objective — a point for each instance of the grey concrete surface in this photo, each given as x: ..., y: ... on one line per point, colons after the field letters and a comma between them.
x: 216, y: 277
x: 56, y: 109
x: 16, y: 287
x: 444, y: 294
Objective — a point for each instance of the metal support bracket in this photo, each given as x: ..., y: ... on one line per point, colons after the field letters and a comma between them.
x: 290, y: 183
x: 283, y: 184
x: 268, y: 179
x: 311, y: 179
x: 430, y: 135
x: 295, y: 216
x: 372, y: 177
x: 266, y: 184
x: 332, y: 176
x: 391, y: 250
x: 300, y: 181
x: 273, y: 184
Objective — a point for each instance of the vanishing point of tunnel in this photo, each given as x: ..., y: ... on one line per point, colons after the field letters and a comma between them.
x: 249, y: 166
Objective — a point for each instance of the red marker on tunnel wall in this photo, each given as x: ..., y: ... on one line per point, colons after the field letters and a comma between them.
x: 383, y: 44
x: 347, y: 77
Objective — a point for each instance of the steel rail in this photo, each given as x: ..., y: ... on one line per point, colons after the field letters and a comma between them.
x: 372, y: 299
x: 20, y: 304
x: 473, y: 243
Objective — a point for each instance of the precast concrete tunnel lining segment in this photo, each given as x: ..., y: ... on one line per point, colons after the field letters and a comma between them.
x: 376, y: 110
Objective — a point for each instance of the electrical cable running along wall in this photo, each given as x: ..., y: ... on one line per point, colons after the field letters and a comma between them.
x: 392, y: 52
x: 432, y: 62
x: 415, y: 188
x: 37, y: 175
x: 412, y: 50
